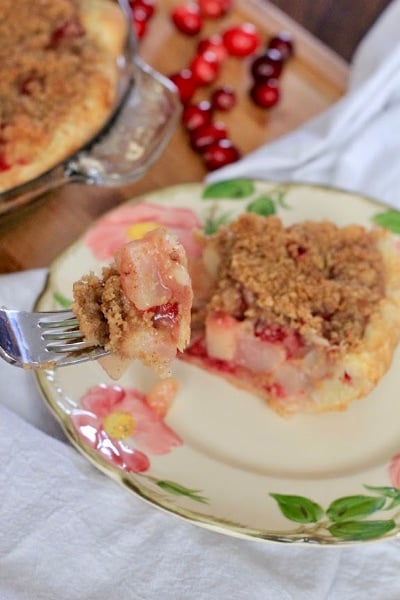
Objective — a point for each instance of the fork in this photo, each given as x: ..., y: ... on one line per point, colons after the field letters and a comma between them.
x: 44, y: 339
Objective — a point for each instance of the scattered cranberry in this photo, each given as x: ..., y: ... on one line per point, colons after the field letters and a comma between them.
x: 187, y: 18
x: 145, y: 7
x: 196, y: 115
x: 139, y: 22
x: 265, y: 94
x: 241, y: 40
x: 219, y: 154
x: 223, y: 98
x: 267, y: 66
x: 214, y: 43
x: 207, y: 134
x: 205, y: 68
x: 284, y: 43
x: 185, y: 83
x: 213, y: 9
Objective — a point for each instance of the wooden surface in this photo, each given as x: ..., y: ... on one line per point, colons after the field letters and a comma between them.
x: 314, y: 79
x: 340, y: 24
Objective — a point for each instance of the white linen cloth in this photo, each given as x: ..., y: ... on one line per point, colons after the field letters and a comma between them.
x: 67, y: 532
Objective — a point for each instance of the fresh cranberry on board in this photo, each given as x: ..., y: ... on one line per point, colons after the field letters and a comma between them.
x: 265, y: 94
x: 267, y: 66
x: 223, y: 98
x: 187, y: 18
x: 207, y: 134
x: 214, y: 9
x: 185, y: 83
x: 219, y: 154
x: 196, y: 115
x: 214, y: 43
x: 241, y: 40
x: 205, y: 68
x: 283, y: 42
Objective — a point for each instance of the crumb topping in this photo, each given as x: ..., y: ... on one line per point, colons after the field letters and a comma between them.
x: 314, y: 277
x: 48, y: 63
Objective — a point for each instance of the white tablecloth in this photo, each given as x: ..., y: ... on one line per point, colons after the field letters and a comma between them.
x: 67, y: 532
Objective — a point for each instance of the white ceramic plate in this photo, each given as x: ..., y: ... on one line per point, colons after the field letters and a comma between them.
x: 222, y: 458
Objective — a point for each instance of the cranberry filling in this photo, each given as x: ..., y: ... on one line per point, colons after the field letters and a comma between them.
x: 165, y: 315
x: 4, y: 165
x: 70, y: 30
x: 198, y: 348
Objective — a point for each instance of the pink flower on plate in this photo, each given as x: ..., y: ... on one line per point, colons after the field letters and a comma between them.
x: 394, y: 471
x: 133, y: 221
x: 120, y: 425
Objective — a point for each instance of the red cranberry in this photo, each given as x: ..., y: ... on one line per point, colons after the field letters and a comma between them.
x: 4, y: 165
x: 214, y: 43
x: 223, y: 98
x: 241, y: 40
x: 196, y: 115
x: 207, y: 134
x: 213, y: 9
x: 265, y: 94
x: 284, y: 43
x: 187, y: 18
x: 185, y: 83
x: 205, y: 68
x: 139, y: 22
x: 267, y: 66
x: 70, y: 30
x: 219, y: 154
x: 146, y: 7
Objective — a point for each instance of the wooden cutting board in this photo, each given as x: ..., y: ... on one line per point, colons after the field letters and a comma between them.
x: 313, y: 80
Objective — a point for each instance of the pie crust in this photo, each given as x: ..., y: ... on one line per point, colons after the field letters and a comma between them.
x: 60, y: 82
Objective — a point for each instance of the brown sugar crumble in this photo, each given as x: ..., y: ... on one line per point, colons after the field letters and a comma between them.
x: 48, y: 62
x: 313, y: 277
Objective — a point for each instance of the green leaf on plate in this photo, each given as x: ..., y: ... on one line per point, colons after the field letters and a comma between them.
x: 354, y: 507
x: 388, y: 491
x: 180, y: 490
x: 230, y: 189
x: 391, y: 493
x: 390, y: 219
x: 212, y: 224
x: 299, y: 508
x: 264, y: 205
x: 361, y: 530
x: 62, y: 300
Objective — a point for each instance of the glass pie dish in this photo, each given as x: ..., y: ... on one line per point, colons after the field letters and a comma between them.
x: 143, y: 118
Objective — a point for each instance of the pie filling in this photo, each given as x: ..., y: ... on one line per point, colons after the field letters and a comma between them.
x: 140, y: 306
x: 305, y: 316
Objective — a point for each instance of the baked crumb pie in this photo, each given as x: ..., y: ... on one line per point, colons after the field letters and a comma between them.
x: 139, y: 308
x: 305, y: 316
x: 58, y: 83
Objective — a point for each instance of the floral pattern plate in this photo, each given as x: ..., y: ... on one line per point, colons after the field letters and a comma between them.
x: 220, y: 457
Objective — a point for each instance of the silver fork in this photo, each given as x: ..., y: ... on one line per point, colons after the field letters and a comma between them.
x: 44, y: 339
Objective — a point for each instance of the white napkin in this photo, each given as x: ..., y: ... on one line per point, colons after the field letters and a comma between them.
x: 67, y: 532
x: 354, y: 145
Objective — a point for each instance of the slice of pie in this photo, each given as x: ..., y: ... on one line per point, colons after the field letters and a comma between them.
x: 59, y: 80
x: 139, y: 308
x: 307, y: 316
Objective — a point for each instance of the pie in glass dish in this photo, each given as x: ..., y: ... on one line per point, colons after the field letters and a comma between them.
x: 59, y: 80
